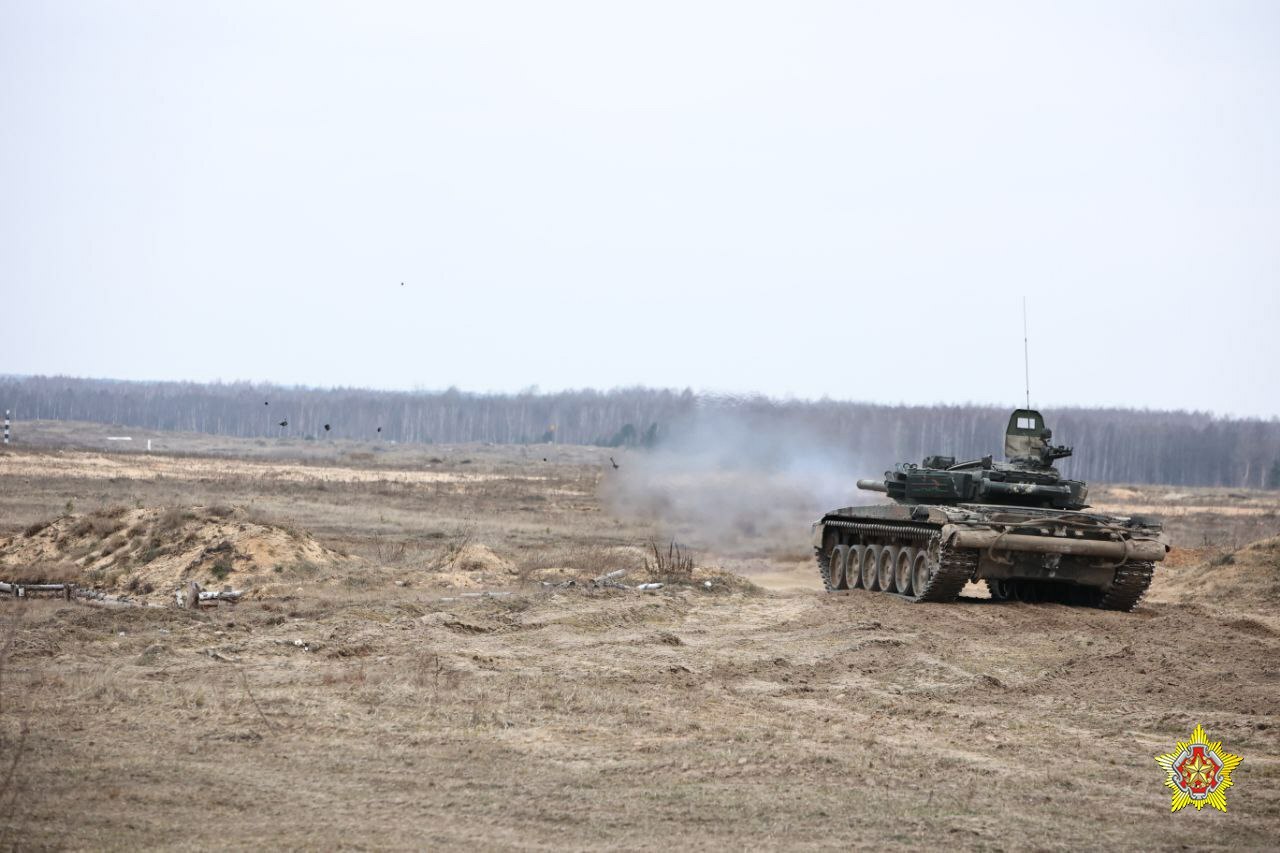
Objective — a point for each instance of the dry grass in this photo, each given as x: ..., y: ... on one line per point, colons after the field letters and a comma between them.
x: 363, y: 705
x: 41, y: 572
x: 673, y: 566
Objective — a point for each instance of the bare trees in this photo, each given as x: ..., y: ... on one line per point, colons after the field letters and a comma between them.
x: 1112, y: 445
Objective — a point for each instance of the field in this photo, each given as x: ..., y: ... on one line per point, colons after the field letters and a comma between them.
x: 371, y: 695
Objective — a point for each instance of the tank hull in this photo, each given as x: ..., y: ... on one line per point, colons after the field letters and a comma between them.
x: 928, y: 553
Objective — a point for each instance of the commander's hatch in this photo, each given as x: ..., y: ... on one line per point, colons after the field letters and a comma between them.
x: 1026, y: 436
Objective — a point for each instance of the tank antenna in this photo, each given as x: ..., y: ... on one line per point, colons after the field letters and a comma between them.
x: 1026, y: 359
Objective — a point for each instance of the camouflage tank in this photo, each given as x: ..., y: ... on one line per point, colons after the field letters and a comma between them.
x: 1018, y: 525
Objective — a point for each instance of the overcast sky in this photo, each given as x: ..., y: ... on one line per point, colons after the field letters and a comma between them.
x: 801, y: 199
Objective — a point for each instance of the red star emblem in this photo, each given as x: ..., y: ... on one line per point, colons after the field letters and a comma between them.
x: 1198, y: 771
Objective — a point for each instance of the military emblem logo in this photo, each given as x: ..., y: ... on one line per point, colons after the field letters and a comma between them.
x: 1199, y: 772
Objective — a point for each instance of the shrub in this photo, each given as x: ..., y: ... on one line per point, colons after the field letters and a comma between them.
x: 173, y: 520
x: 112, y: 544
x: 137, y: 585
x: 674, y: 566
x: 35, y: 527
x: 48, y: 572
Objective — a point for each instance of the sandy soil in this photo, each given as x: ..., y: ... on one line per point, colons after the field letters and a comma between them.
x: 96, y: 466
x: 378, y: 715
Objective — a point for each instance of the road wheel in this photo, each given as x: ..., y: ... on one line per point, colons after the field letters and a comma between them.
x: 920, y: 572
x: 835, y: 571
x: 888, y: 559
x: 902, y: 569
x: 835, y: 574
x: 870, y: 559
x: 853, y: 566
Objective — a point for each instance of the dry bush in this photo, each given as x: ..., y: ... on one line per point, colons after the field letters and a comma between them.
x: 173, y: 520
x: 95, y: 526
x: 35, y: 527
x: 455, y: 543
x: 403, y: 553
x: 138, y: 586
x: 300, y: 569
x: 42, y: 572
x: 674, y: 566
x: 584, y: 559
x: 112, y: 544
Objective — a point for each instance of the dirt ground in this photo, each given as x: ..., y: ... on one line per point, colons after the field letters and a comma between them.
x: 374, y: 705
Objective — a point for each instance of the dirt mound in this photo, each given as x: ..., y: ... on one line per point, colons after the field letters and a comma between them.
x: 474, y: 557
x: 472, y: 566
x: 150, y: 552
x: 1248, y: 575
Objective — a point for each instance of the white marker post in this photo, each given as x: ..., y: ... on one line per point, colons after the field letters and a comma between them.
x: 6, y: 426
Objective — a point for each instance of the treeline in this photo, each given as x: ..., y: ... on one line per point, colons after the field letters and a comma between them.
x: 247, y: 410
x: 1112, y: 445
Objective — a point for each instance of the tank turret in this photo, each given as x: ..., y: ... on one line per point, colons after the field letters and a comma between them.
x: 1027, y: 477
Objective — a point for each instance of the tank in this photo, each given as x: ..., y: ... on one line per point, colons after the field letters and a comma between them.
x: 1018, y: 525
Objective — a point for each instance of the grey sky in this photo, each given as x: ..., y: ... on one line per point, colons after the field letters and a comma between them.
x: 795, y: 198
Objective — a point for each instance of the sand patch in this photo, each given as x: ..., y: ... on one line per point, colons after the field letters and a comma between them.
x: 150, y: 552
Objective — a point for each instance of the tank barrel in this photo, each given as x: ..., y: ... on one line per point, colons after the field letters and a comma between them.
x: 873, y: 485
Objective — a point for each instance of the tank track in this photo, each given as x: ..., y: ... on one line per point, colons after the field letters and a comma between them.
x: 1130, y: 584
x: 1126, y: 590
x: 955, y: 566
x: 824, y: 568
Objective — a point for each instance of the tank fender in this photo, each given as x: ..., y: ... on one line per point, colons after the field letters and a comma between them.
x: 1119, y: 550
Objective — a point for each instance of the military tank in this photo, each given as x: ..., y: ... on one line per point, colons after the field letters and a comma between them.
x: 1018, y: 525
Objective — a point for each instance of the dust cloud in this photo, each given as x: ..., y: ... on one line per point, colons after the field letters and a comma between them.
x: 739, y: 486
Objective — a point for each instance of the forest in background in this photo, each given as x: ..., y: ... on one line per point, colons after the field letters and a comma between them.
x: 1112, y: 445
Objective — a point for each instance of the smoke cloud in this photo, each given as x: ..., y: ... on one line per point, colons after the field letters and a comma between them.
x: 740, y: 484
